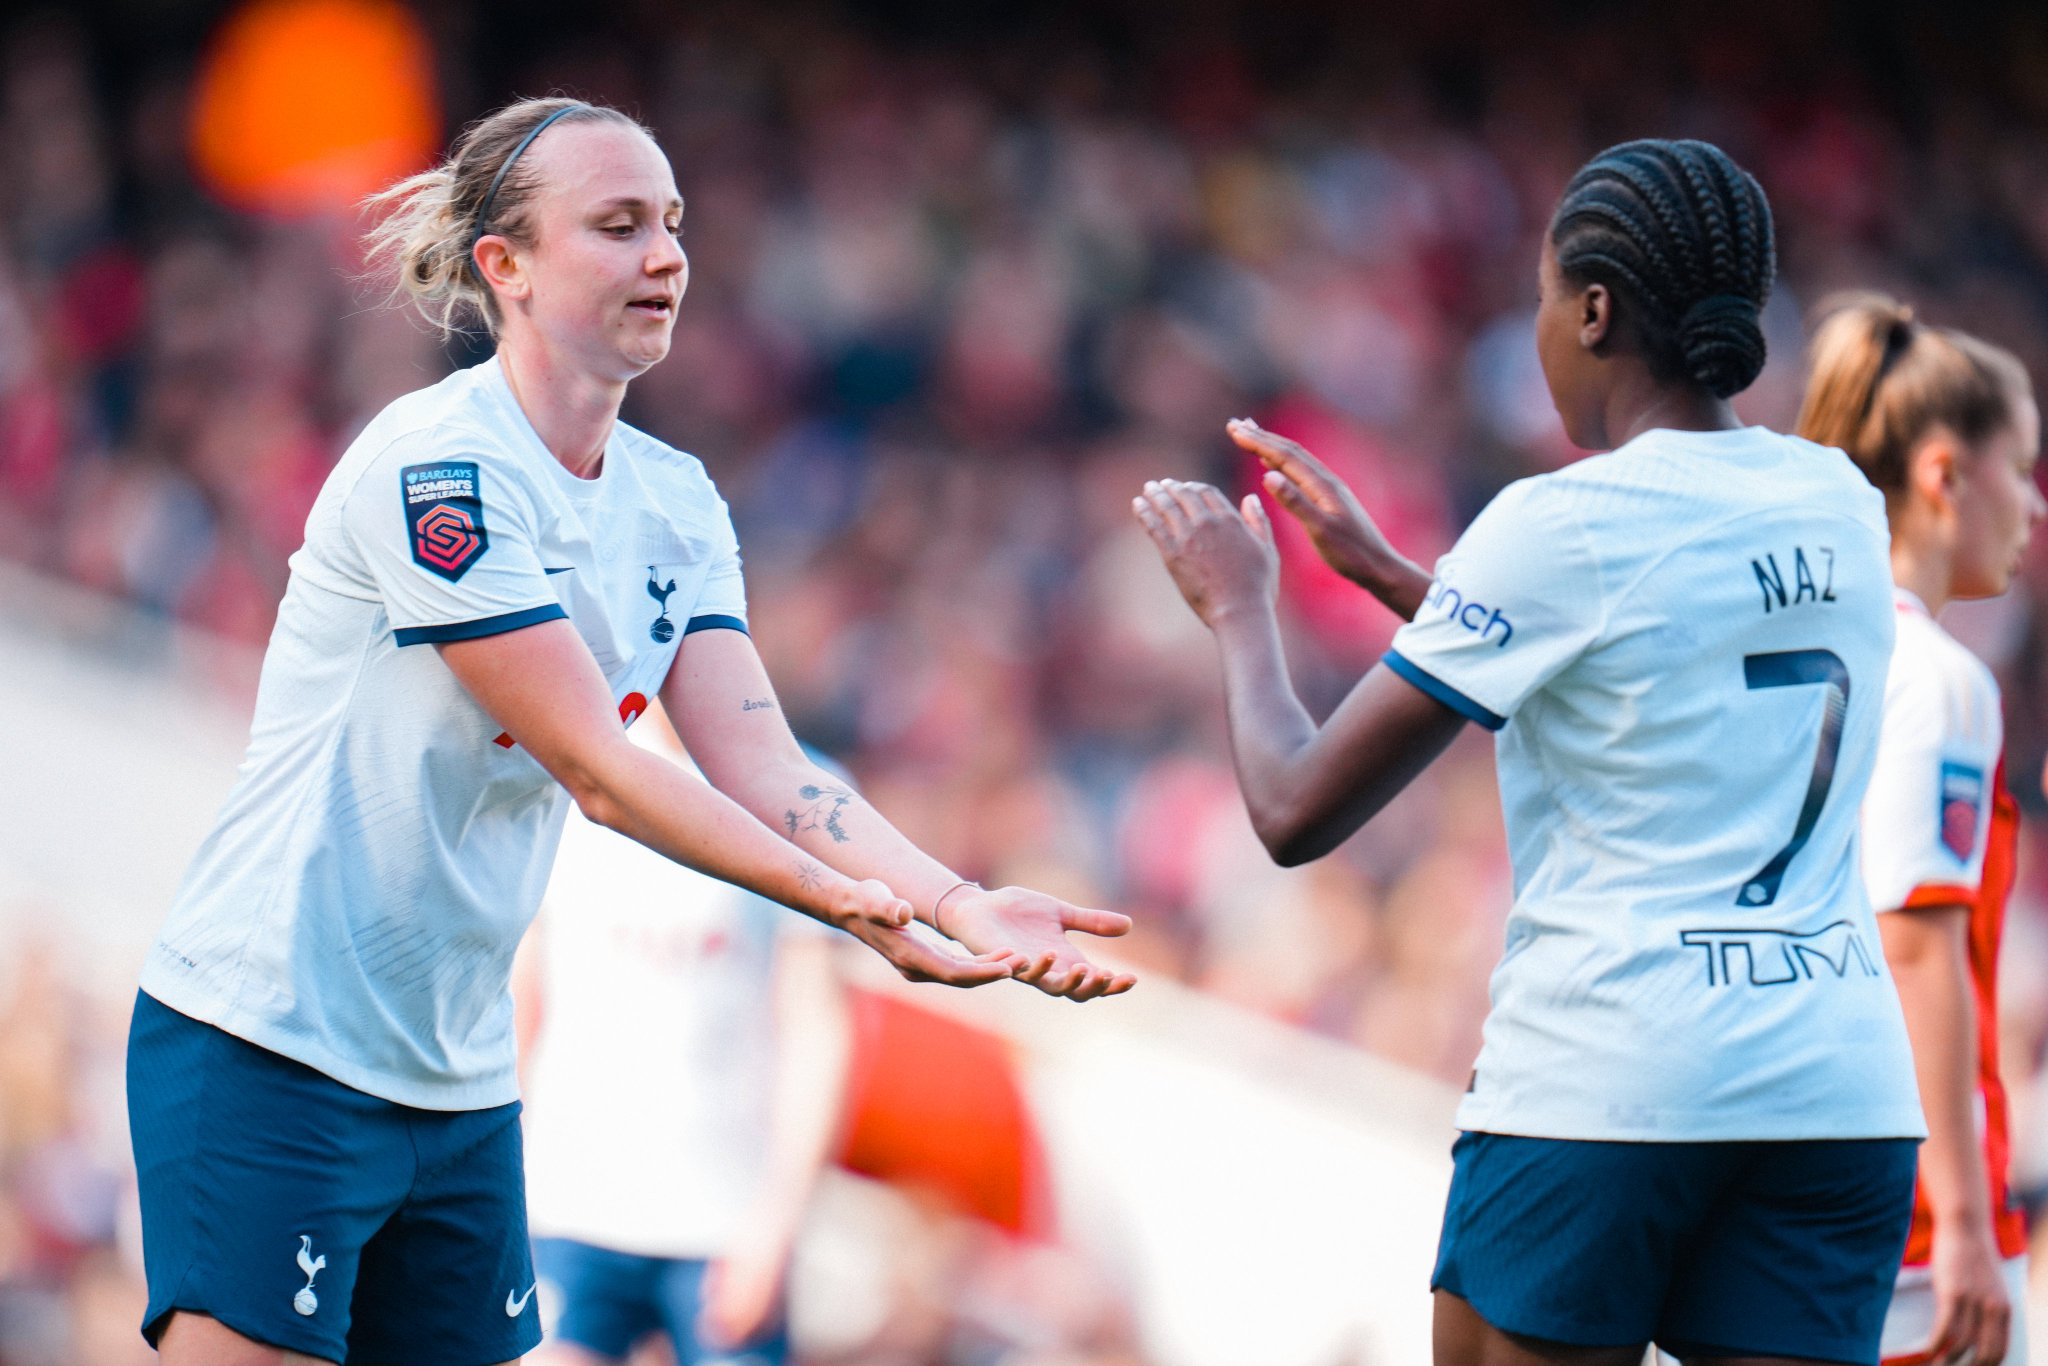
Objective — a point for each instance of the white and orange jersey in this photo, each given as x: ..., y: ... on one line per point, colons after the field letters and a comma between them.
x: 1939, y: 829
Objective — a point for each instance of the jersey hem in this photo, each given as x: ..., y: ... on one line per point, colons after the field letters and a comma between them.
x: 478, y: 1095
x: 482, y: 626
x: 716, y: 621
x: 1877, y: 1124
x: 1442, y: 691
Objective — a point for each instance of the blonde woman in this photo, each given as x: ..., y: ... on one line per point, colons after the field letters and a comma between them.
x: 1946, y: 427
x: 496, y: 575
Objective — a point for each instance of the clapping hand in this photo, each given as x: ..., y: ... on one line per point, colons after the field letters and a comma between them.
x: 1222, y: 558
x: 1337, y: 526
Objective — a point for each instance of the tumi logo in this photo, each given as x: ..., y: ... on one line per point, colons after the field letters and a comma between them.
x: 1771, y: 958
x: 1475, y: 617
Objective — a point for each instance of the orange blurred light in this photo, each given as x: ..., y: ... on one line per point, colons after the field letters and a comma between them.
x: 305, y: 106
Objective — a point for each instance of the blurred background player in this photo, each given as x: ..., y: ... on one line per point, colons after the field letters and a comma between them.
x: 1947, y: 428
x: 1692, y: 1122
x: 685, y: 1047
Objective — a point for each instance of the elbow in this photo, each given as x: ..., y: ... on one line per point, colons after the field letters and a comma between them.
x: 595, y: 800
x: 1290, y: 838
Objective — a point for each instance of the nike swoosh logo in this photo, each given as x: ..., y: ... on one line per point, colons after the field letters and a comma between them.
x: 516, y: 1305
x: 563, y: 570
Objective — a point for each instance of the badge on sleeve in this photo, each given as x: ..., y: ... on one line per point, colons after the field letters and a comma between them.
x: 444, y: 516
x: 1962, y: 796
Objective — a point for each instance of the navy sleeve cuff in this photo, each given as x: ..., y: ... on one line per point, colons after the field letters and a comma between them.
x: 1443, y: 692
x: 716, y: 623
x: 483, y: 626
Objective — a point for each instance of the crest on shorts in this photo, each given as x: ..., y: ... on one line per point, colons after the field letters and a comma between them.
x: 1962, y: 797
x: 444, y: 516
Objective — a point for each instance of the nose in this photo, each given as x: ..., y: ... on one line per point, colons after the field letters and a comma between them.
x: 667, y: 257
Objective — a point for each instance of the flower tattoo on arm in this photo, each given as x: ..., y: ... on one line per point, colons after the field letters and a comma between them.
x: 821, y: 812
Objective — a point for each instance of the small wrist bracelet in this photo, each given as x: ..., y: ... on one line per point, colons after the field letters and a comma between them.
x: 964, y: 882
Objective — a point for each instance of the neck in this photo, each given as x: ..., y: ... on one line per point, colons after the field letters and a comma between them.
x: 1922, y: 572
x: 1639, y: 404
x: 571, y: 411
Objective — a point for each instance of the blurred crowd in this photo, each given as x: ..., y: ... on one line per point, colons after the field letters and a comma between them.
x: 956, y: 292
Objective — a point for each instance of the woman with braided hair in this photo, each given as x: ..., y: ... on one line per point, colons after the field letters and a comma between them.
x: 1693, y: 1120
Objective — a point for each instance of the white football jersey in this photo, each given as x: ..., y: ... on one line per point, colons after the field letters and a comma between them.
x: 1927, y: 815
x: 649, y: 1090
x: 358, y: 902
x: 1683, y: 646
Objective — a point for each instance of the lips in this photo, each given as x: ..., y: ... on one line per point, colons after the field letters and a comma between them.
x: 659, y: 306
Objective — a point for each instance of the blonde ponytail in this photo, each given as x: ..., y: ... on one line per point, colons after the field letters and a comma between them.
x: 427, y: 227
x: 1881, y: 380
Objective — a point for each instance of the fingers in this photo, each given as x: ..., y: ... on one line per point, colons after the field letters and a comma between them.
x: 1289, y: 495
x: 1255, y: 517
x: 1170, y: 508
x: 1034, y: 971
x: 1994, y: 1329
x: 1955, y: 1326
x: 875, y: 903
x: 1277, y: 452
x: 955, y: 972
x: 1090, y: 921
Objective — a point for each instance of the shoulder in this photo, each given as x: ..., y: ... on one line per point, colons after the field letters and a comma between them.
x: 656, y: 457
x: 451, y: 422
x: 1936, y: 680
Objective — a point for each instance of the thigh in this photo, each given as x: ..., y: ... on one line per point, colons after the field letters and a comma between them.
x: 1460, y: 1337
x: 449, y: 1279
x: 260, y: 1181
x: 1571, y: 1242
x: 594, y: 1299
x: 195, y: 1340
x: 1800, y: 1259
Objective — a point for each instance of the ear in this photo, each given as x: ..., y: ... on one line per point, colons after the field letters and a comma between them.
x: 1933, y: 468
x: 501, y: 267
x: 1596, y: 316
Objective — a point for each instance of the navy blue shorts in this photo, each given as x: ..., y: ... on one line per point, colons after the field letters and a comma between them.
x: 605, y: 1302
x: 310, y: 1216
x: 1706, y: 1249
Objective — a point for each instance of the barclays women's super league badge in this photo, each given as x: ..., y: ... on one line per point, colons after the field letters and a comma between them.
x: 662, y: 629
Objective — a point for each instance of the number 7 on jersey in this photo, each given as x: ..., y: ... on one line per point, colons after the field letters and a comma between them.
x: 1790, y: 669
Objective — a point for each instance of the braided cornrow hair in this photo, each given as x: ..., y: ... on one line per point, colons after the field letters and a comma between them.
x: 1683, y: 236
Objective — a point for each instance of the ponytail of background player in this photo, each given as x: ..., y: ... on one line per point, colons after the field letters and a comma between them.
x: 321, y: 1071
x: 1947, y: 429
x: 1693, y: 1118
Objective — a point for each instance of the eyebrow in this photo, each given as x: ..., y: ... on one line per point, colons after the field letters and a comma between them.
x: 636, y: 203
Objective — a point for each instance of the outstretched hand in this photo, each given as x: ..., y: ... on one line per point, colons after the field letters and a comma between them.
x: 924, y: 957
x: 1337, y: 525
x: 1033, y: 926
x: 1222, y: 558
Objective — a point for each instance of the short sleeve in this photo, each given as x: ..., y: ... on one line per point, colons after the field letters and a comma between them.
x: 722, y: 602
x: 1514, y: 602
x: 1928, y: 806
x: 450, y: 545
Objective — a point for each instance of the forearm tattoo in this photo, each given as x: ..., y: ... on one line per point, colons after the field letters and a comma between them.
x: 808, y: 876
x: 822, y: 809
x: 757, y: 704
